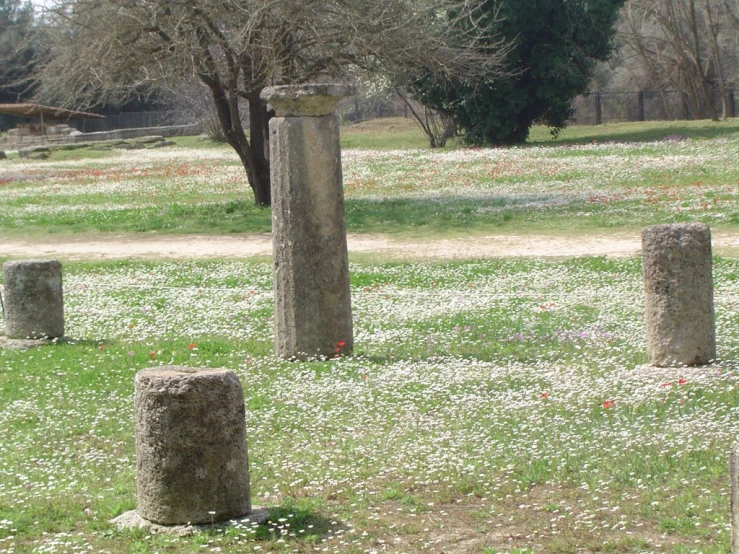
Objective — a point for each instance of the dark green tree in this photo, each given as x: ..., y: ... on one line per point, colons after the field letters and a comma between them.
x: 16, y: 51
x: 557, y: 44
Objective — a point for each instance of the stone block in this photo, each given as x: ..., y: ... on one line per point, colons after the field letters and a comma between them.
x: 33, y: 299
x: 311, y: 100
x: 191, y: 453
x: 678, y: 285
x: 734, y: 497
x: 310, y: 255
x: 35, y: 153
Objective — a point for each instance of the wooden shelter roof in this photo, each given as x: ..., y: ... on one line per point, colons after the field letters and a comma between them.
x: 37, y: 110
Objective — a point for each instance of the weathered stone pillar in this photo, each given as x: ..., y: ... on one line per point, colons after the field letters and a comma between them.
x: 678, y: 284
x: 33, y: 299
x: 313, y: 314
x: 734, y: 497
x: 191, y: 457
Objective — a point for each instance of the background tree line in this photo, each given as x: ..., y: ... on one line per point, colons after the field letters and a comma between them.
x: 487, y: 69
x: 690, y: 46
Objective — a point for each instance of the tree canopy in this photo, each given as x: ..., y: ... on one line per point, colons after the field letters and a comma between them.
x: 16, y: 51
x: 100, y: 51
x: 556, y: 45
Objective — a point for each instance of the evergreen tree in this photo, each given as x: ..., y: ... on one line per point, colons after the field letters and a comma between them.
x: 557, y: 45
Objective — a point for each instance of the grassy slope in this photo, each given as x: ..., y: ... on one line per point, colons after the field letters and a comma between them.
x: 395, y: 185
x: 490, y: 406
x: 496, y: 406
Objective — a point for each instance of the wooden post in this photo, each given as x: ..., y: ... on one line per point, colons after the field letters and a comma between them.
x: 640, y: 99
x: 598, y: 109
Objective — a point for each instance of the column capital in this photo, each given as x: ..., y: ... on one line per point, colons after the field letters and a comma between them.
x: 311, y: 100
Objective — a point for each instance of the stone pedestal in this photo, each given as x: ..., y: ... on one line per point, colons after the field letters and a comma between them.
x: 734, y: 497
x: 311, y: 268
x: 191, y: 457
x: 678, y: 283
x: 33, y: 299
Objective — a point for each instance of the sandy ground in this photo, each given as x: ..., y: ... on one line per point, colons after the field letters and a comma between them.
x: 113, y: 247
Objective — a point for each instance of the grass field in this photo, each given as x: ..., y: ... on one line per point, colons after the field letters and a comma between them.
x: 564, y: 186
x: 490, y: 405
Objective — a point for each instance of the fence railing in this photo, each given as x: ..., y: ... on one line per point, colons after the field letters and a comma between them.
x: 644, y: 105
x: 593, y: 109
x: 135, y: 120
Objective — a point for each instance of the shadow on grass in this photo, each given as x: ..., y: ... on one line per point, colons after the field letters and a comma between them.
x: 294, y: 523
x: 434, y: 214
x: 646, y: 132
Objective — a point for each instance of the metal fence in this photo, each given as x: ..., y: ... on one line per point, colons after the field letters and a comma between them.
x: 135, y: 120
x: 594, y: 109
x: 643, y: 105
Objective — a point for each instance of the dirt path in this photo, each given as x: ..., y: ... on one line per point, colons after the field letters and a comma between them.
x: 242, y: 246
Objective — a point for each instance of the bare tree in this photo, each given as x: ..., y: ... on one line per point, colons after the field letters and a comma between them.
x: 191, y: 96
x: 437, y: 127
x: 101, y: 51
x: 685, y: 45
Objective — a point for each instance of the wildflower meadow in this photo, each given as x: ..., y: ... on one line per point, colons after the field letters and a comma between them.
x: 491, y: 405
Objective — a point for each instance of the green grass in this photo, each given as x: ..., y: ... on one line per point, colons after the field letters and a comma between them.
x: 489, y: 406
x: 473, y: 406
x: 577, y: 184
x: 387, y: 134
x: 390, y: 133
x: 637, y: 132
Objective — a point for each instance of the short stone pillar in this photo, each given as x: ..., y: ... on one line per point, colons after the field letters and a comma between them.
x: 678, y: 283
x: 191, y: 457
x: 734, y: 497
x: 33, y: 299
x: 313, y: 315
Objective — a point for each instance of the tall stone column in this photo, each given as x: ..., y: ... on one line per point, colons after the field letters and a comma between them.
x: 678, y: 284
x: 313, y: 315
x: 34, y: 302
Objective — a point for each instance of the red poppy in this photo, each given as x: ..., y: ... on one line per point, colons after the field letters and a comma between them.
x: 608, y: 404
x: 544, y: 395
x: 681, y: 381
x: 192, y: 345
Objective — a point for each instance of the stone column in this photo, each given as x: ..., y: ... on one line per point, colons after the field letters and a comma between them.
x: 678, y: 284
x: 33, y: 299
x: 313, y: 314
x: 191, y: 457
x: 734, y: 497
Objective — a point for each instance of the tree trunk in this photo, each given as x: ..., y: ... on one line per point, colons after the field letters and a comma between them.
x: 701, y: 70
x: 713, y: 31
x: 637, y: 41
x: 254, y: 156
x: 259, y: 134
